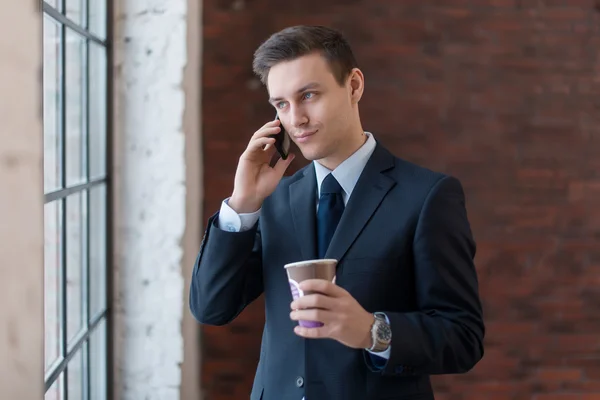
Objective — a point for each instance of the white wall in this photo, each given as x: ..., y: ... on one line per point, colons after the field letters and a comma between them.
x: 21, y: 202
x: 152, y: 120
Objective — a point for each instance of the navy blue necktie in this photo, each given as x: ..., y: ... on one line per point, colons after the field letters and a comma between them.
x: 331, y: 207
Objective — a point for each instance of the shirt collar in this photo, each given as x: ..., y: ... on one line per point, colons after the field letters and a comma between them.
x: 348, y: 172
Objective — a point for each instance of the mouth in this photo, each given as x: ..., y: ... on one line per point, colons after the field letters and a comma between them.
x: 304, y: 136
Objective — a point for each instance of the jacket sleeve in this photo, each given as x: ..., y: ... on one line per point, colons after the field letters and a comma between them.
x: 445, y: 335
x: 227, y: 275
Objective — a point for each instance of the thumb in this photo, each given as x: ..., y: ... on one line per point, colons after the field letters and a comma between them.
x: 282, y: 164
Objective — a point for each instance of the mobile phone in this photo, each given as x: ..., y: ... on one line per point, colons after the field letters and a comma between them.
x: 282, y: 141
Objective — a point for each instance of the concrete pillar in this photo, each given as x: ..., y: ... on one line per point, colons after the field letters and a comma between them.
x: 157, y: 197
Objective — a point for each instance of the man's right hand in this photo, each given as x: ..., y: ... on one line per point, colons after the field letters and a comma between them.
x: 255, y: 179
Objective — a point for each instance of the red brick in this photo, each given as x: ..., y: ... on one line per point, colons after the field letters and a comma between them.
x: 501, y: 93
x: 560, y: 374
x: 591, y: 396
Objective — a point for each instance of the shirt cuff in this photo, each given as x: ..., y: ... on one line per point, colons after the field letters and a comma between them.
x: 231, y: 221
x: 384, y: 354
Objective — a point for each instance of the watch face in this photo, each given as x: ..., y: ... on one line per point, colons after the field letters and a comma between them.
x: 384, y: 333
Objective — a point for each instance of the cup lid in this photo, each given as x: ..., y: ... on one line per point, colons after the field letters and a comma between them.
x: 307, y: 263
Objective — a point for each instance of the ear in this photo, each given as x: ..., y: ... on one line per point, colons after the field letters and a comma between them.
x: 356, y: 82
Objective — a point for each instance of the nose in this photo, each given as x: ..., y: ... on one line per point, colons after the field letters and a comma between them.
x: 298, y: 117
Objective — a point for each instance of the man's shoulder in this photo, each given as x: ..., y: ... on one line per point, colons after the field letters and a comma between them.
x: 419, y: 179
x: 419, y: 184
x: 411, y: 173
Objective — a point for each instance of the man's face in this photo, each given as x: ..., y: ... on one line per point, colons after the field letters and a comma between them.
x: 315, y: 110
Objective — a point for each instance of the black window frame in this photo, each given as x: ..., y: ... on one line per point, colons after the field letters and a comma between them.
x: 81, y: 341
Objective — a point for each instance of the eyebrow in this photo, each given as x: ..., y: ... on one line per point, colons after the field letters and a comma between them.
x: 311, y: 85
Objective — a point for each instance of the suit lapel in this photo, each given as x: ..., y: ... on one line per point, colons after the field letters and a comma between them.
x: 303, y: 195
x: 369, y: 192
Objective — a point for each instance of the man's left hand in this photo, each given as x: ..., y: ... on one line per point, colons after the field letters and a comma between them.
x: 343, y: 317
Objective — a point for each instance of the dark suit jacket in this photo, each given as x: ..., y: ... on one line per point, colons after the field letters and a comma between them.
x: 404, y: 247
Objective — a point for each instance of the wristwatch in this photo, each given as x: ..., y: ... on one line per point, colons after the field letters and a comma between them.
x: 381, y: 333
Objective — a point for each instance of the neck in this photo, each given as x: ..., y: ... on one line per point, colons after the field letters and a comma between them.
x: 350, y: 146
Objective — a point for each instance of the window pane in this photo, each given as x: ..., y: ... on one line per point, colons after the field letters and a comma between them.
x: 98, y: 353
x: 51, y: 104
x: 97, y: 249
x: 76, y: 376
x: 97, y: 13
x: 56, y: 391
x: 97, y: 110
x: 54, y: 3
x: 75, y: 47
x: 76, y: 217
x: 52, y: 263
x: 74, y: 10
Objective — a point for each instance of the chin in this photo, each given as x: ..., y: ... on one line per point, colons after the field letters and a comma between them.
x: 311, y: 154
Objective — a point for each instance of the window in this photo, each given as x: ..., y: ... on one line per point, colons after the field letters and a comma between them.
x: 76, y: 193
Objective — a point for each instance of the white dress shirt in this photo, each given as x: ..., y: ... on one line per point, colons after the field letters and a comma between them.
x: 347, y: 174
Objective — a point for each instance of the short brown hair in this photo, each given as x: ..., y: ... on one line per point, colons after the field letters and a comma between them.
x: 301, y: 40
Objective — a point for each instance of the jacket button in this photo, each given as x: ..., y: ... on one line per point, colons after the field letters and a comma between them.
x: 299, y: 381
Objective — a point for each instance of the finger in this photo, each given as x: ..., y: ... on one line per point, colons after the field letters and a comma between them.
x: 282, y: 165
x: 260, y: 143
x: 313, y: 301
x: 266, y: 131
x: 313, y: 314
x: 320, y: 332
x: 273, y: 122
x: 270, y: 124
x: 322, y: 286
x: 270, y: 149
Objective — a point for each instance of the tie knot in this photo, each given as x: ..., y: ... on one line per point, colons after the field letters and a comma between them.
x: 330, y: 185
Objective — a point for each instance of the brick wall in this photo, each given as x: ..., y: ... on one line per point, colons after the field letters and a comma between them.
x: 503, y: 94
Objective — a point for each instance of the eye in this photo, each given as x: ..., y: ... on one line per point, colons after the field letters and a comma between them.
x: 308, y: 96
x: 280, y: 104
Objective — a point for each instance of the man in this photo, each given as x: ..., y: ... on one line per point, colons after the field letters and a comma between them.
x: 405, y: 301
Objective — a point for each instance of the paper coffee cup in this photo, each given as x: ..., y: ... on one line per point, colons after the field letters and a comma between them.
x: 309, y: 269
